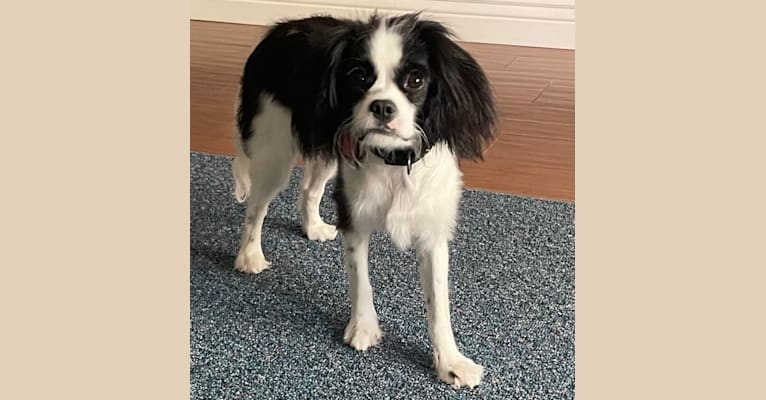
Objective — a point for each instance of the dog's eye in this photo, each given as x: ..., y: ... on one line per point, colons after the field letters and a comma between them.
x: 414, y: 80
x: 357, y: 74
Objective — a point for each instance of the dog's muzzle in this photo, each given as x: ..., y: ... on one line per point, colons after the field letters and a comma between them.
x: 351, y: 150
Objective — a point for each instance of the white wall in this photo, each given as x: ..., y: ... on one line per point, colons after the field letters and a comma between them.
x: 539, y: 23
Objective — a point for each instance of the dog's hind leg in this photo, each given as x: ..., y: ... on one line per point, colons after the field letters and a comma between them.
x: 271, y: 153
x: 316, y: 173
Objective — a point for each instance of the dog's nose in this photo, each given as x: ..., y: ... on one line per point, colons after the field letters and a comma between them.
x: 383, y: 110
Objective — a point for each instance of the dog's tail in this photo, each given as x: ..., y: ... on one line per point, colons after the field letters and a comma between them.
x: 240, y: 170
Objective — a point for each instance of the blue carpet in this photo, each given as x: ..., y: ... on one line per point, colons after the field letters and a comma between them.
x: 278, y: 335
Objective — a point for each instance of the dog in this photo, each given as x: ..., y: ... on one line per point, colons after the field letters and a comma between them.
x: 388, y: 106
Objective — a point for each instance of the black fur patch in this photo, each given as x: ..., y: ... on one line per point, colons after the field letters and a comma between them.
x: 341, y: 203
x: 297, y: 62
x: 460, y: 109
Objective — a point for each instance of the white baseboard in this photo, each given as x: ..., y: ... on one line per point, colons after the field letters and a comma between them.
x: 538, y: 23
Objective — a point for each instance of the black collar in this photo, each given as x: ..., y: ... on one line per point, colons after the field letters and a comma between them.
x: 404, y: 157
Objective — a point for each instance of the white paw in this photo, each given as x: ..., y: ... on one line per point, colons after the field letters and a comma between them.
x: 250, y: 264
x: 362, y: 334
x: 459, y: 371
x: 321, y: 232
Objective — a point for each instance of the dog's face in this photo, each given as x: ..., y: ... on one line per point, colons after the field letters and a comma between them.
x: 403, y: 82
x: 389, y: 88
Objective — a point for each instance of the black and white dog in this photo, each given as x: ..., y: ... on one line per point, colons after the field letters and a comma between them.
x: 390, y: 105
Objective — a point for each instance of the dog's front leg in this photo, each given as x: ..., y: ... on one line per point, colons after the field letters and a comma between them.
x: 452, y: 366
x: 362, y: 330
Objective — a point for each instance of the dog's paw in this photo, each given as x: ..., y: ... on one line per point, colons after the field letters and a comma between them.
x: 459, y: 371
x: 362, y: 334
x: 250, y: 264
x: 321, y: 232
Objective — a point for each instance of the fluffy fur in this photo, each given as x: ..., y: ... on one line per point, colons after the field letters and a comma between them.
x: 331, y: 91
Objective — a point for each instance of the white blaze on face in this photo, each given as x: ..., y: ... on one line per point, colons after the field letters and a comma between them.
x: 386, y: 55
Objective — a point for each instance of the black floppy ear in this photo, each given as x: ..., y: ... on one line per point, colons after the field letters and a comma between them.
x: 460, y: 108
x: 335, y: 43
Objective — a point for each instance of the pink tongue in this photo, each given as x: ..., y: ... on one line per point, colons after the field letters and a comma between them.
x: 347, y: 146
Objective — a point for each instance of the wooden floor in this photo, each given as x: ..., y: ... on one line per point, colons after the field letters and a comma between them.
x: 533, y: 155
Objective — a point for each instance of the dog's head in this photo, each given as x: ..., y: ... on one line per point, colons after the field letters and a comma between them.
x: 403, y: 82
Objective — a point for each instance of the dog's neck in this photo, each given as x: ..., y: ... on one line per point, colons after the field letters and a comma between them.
x: 405, y: 157
x: 375, y: 166
x: 355, y: 153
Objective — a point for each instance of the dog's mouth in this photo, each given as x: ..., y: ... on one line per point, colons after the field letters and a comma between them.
x: 350, y: 145
x: 383, y: 130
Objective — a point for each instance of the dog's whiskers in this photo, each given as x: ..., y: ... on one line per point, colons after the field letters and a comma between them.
x: 424, y: 142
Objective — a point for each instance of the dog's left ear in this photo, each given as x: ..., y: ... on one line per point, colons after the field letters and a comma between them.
x: 460, y: 108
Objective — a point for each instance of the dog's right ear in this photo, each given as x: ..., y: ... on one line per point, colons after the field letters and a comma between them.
x: 335, y: 44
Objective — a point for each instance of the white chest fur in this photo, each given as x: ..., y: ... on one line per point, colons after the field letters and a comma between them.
x: 418, y: 208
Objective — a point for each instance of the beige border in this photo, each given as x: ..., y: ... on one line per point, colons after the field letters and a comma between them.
x: 670, y: 202
x: 670, y: 208
x: 95, y: 202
